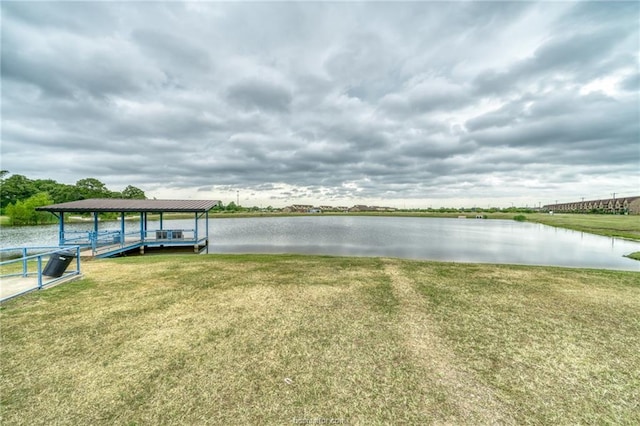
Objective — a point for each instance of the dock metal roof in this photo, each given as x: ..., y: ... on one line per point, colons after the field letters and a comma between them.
x: 122, y: 205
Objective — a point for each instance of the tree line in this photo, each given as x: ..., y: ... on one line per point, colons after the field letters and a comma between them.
x: 19, y: 196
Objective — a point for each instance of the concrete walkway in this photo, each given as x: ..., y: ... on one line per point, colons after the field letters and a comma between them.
x: 12, y: 286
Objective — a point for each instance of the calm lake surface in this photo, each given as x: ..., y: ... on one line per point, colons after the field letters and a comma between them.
x: 458, y: 240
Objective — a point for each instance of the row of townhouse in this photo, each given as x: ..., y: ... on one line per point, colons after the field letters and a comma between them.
x: 624, y: 205
x: 308, y: 208
x: 362, y: 208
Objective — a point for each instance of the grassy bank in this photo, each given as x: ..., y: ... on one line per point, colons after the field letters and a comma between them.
x: 634, y: 255
x: 269, y: 339
x: 608, y: 225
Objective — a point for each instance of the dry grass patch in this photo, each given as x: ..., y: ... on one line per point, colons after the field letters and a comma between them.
x: 208, y: 340
x: 266, y: 339
x: 558, y: 346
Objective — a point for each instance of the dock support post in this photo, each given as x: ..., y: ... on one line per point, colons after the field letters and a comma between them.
x: 141, y: 226
x: 195, y: 237
x: 61, y: 229
x: 95, y: 222
x: 122, y: 228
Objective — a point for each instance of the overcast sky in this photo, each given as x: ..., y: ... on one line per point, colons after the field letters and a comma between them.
x: 399, y: 104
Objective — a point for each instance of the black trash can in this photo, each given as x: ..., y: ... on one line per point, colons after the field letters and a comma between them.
x: 57, y: 264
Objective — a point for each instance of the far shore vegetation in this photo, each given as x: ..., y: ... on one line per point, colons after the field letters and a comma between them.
x: 21, y: 196
x: 266, y: 339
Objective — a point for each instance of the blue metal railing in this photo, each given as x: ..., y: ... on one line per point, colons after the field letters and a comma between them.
x: 92, y: 238
x: 82, y: 238
x: 176, y: 235
x: 105, y: 243
x: 30, y: 257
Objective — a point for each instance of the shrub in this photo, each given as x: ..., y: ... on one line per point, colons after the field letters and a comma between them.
x: 520, y: 218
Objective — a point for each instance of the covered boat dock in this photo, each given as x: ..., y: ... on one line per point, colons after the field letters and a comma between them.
x: 112, y: 242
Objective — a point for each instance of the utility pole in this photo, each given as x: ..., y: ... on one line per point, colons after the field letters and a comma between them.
x: 237, y: 198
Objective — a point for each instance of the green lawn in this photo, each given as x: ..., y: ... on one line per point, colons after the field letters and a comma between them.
x: 602, y: 224
x: 265, y: 339
x: 634, y: 255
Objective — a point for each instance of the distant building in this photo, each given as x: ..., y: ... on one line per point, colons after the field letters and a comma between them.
x: 360, y: 208
x: 622, y: 205
x: 363, y: 208
x: 301, y: 208
x: 307, y: 208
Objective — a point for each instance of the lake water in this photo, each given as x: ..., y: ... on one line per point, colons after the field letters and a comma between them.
x: 458, y: 240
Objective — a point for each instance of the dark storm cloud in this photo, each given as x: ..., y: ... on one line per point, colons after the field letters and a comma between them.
x: 324, y: 101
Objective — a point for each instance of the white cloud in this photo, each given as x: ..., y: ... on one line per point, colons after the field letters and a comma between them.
x: 388, y: 103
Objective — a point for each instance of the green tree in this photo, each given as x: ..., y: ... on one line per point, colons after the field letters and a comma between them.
x: 18, y: 213
x: 14, y: 188
x: 23, y: 212
x: 63, y: 193
x: 92, y: 188
x: 131, y: 192
x: 45, y: 185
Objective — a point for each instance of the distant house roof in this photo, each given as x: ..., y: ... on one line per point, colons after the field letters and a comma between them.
x: 122, y: 205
